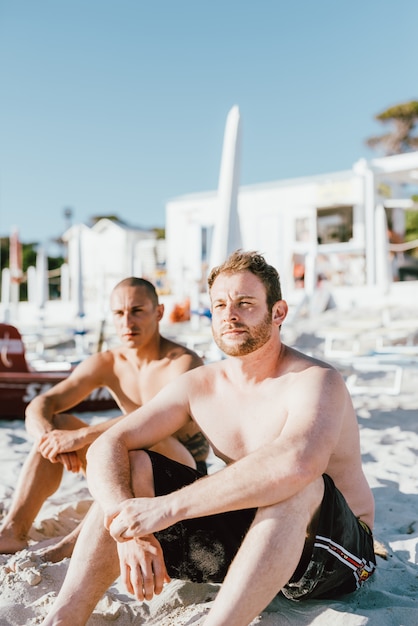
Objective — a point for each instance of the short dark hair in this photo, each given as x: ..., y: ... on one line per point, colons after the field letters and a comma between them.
x: 133, y: 281
x: 241, y: 261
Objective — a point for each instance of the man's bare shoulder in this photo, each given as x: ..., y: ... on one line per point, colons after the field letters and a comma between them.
x: 202, y: 380
x: 172, y: 351
x: 95, y: 361
x: 301, y: 362
x: 97, y: 364
x: 313, y: 375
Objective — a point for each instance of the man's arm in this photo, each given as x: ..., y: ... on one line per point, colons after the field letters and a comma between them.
x: 108, y: 466
x: 57, y: 445
x: 86, y: 377
x: 266, y: 476
x: 60, y: 445
x: 279, y: 469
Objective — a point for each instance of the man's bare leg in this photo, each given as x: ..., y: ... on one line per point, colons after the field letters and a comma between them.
x: 39, y: 479
x: 266, y: 560
x: 62, y: 548
x: 92, y: 569
x: 94, y: 564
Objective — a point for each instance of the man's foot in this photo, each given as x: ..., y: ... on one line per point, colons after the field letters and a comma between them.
x: 9, y: 543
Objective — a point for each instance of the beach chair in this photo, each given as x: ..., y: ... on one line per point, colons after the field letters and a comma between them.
x: 12, y: 350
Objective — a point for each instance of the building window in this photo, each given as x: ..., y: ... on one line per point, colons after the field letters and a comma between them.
x: 302, y: 229
x: 335, y: 225
x: 207, y: 233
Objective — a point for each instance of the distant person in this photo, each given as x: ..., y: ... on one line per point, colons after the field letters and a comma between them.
x: 396, y: 258
x: 290, y: 512
x: 133, y: 372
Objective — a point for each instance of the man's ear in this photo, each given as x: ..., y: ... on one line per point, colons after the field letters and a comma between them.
x: 160, y: 312
x: 280, y: 309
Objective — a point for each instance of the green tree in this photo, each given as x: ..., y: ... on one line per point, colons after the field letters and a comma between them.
x: 411, y: 226
x: 29, y: 253
x: 402, y: 138
x: 113, y: 218
x: 159, y: 232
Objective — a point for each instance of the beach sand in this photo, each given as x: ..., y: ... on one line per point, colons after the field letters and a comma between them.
x: 389, y: 439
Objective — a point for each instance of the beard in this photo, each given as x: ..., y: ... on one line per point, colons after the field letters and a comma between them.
x: 255, y: 337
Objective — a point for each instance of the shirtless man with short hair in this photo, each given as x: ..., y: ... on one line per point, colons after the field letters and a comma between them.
x: 133, y: 373
x: 291, y: 512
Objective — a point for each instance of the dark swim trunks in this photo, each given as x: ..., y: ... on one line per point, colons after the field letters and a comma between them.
x: 339, y: 560
x: 199, y: 550
x: 342, y: 557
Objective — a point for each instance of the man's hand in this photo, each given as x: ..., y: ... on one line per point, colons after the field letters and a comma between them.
x: 138, y: 517
x: 59, y: 446
x: 142, y: 567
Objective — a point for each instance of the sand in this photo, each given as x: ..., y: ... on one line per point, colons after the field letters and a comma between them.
x: 388, y: 425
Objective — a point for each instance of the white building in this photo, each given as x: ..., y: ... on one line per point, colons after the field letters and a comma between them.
x: 106, y: 253
x: 97, y: 258
x: 329, y: 225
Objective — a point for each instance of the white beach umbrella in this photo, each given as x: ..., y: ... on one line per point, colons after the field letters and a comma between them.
x: 42, y: 287
x: 78, y: 295
x: 382, y: 259
x: 65, y: 283
x: 5, y: 294
x: 78, y: 291
x: 227, y: 231
x: 15, y: 264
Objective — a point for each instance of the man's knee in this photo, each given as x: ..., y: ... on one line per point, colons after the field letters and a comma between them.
x: 305, y: 503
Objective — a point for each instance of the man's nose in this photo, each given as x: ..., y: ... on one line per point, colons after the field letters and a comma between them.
x: 230, y: 312
x: 127, y: 318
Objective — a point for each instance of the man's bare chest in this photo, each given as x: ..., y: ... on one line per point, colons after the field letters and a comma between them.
x: 134, y: 387
x: 239, y: 423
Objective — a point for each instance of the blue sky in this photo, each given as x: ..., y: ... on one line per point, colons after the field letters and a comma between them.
x: 116, y: 106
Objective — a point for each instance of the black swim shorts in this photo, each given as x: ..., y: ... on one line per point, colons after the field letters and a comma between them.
x: 342, y: 556
x: 201, y: 550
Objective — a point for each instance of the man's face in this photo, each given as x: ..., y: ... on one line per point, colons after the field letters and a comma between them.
x: 241, y: 322
x: 134, y: 315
